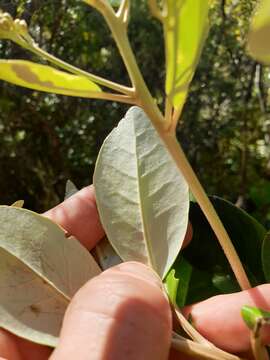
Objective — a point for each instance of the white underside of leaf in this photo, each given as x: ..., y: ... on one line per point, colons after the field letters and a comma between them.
x: 40, y: 271
x: 142, y: 198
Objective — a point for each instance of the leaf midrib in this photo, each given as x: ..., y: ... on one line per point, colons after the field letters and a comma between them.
x: 64, y: 296
x: 146, y: 232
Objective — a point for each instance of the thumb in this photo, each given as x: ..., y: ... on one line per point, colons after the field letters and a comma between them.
x: 121, y: 314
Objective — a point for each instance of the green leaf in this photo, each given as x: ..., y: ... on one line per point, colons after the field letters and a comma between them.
x: 251, y: 315
x: 258, y: 39
x: 260, y: 193
x: 45, y: 78
x: 266, y: 257
x: 226, y: 283
x: 142, y: 199
x: 246, y: 233
x: 71, y: 189
x: 177, y: 281
x: 185, y: 30
x: 200, y: 286
x: 206, y: 255
x: 39, y: 274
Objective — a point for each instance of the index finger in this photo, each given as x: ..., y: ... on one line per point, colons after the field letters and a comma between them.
x: 78, y: 215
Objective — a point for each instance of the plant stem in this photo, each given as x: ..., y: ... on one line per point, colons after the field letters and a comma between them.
x: 190, y: 330
x: 259, y: 351
x: 155, y: 10
x: 123, y: 12
x: 146, y: 101
x: 182, y: 163
x: 142, y: 94
x: 74, y: 70
x: 200, y: 351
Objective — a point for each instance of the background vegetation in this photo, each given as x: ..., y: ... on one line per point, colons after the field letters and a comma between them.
x: 46, y: 139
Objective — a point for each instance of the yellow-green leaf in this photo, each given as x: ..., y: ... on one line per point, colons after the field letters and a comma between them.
x: 46, y: 78
x: 185, y: 29
x: 40, y: 271
x: 258, y: 39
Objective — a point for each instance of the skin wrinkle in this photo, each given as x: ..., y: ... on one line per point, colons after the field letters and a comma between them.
x: 116, y: 287
x: 137, y: 309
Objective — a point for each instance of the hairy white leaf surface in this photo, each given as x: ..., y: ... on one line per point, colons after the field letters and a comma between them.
x: 142, y: 198
x: 40, y: 271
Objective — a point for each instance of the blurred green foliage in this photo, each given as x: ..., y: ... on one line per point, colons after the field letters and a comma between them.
x: 46, y: 139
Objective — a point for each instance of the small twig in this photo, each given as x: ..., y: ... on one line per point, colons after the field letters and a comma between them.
x: 74, y: 70
x: 175, y: 118
x: 168, y: 112
x: 190, y: 330
x: 258, y: 349
x: 123, y: 12
x: 199, y: 351
x: 155, y: 10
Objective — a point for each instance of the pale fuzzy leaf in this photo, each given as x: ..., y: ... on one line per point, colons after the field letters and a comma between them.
x: 106, y: 255
x: 142, y: 198
x: 18, y: 203
x: 71, y: 189
x: 40, y: 270
x: 46, y: 78
x: 185, y: 29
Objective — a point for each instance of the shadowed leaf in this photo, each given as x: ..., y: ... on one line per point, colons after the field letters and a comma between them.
x: 39, y: 274
x: 266, y: 257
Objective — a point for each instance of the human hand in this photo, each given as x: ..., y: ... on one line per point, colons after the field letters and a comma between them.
x: 123, y: 314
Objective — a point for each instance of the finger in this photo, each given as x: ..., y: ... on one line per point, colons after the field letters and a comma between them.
x: 14, y: 348
x: 121, y: 314
x: 219, y: 318
x: 8, y: 346
x: 78, y: 216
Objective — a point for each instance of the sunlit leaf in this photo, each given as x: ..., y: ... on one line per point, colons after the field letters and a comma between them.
x: 45, y: 78
x: 177, y: 281
x: 266, y: 257
x: 39, y: 274
x: 71, y: 189
x: 251, y: 315
x: 258, y: 39
x: 185, y: 29
x: 142, y: 199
